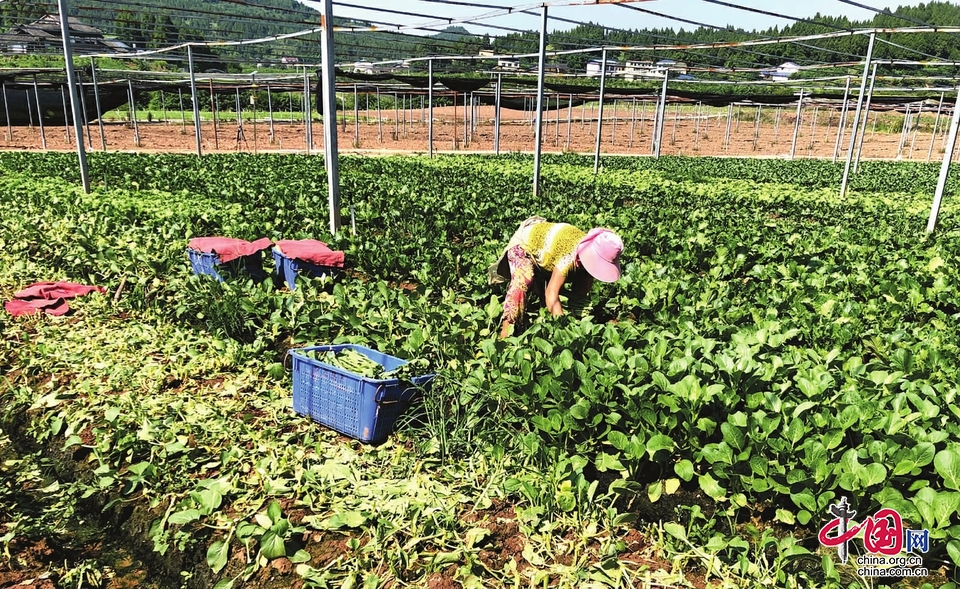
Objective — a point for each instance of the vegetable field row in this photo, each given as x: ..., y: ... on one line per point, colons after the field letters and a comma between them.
x: 768, y: 350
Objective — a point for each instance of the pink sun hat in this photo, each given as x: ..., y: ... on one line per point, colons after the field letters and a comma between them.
x: 599, y: 253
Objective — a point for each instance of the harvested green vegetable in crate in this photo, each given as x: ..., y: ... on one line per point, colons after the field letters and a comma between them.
x: 355, y: 362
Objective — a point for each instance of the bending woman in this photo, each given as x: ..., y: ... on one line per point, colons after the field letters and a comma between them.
x: 561, y: 251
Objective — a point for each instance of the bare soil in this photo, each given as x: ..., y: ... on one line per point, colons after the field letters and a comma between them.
x: 626, y: 131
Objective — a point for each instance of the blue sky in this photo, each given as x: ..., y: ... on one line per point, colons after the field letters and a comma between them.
x: 609, y: 15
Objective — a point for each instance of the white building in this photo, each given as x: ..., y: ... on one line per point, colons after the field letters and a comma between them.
x: 637, y: 70
x: 676, y: 67
x: 508, y: 64
x: 782, y: 73
x: 595, y: 67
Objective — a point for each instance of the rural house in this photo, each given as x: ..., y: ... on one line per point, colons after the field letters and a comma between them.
x: 44, y: 35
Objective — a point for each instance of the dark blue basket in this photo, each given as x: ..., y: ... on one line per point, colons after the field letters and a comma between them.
x: 363, y: 408
x: 288, y: 268
x: 209, y: 265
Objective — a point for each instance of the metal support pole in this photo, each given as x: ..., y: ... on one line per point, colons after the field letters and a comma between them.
x: 726, y: 134
x: 163, y: 107
x: 270, y: 110
x: 193, y: 94
x: 66, y: 116
x: 936, y: 125
x: 569, y: 121
x: 696, y: 140
x: 72, y: 81
x: 945, y: 167
x: 330, y: 154
x: 904, y: 131
x: 214, y: 115
x: 133, y: 114
x: 633, y: 121
x: 496, y: 115
x: 776, y: 126
x: 843, y: 121
x: 661, y: 112
x: 796, y: 125
x: 603, y: 87
x: 676, y: 119
x: 813, y: 127
x: 557, y: 135
x: 356, y: 118
x: 541, y: 72
x: 916, y: 128
x: 253, y: 104
x: 613, y: 125
x: 863, y: 131
x: 308, y: 117
x: 396, y: 116
x: 756, y: 130
x: 856, y: 117
x: 183, y: 113
x: 83, y: 106
x: 430, y: 106
x: 96, y: 98
x: 6, y: 111
x: 36, y: 94
x: 380, y: 120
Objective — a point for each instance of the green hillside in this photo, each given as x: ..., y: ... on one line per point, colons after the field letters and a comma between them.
x: 158, y: 23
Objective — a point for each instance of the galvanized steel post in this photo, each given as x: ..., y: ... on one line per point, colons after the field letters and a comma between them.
x: 133, y: 114
x: 936, y: 125
x: 856, y: 117
x: 429, y: 106
x: 6, y: 111
x: 863, y: 130
x: 603, y: 85
x: 329, y: 78
x: 496, y: 115
x: 36, y: 93
x: 660, y: 113
x: 843, y: 120
x: 270, y: 110
x: 540, y: 83
x: 193, y: 94
x: 72, y: 81
x: 945, y: 167
x: 96, y: 97
x: 796, y: 125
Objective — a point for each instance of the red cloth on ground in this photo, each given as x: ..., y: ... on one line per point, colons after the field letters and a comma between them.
x: 18, y: 307
x: 228, y: 248
x: 49, y: 297
x: 56, y: 290
x: 310, y: 250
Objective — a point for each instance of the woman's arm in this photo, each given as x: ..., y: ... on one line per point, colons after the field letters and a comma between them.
x: 552, y: 292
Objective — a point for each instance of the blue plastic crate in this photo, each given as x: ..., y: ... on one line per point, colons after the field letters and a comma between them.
x: 288, y: 268
x: 209, y: 264
x: 363, y: 408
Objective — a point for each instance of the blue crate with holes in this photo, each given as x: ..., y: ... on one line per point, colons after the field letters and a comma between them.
x: 363, y: 408
x: 208, y: 264
x: 288, y: 268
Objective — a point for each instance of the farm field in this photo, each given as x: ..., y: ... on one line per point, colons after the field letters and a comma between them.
x: 769, y: 350
x: 688, y: 131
